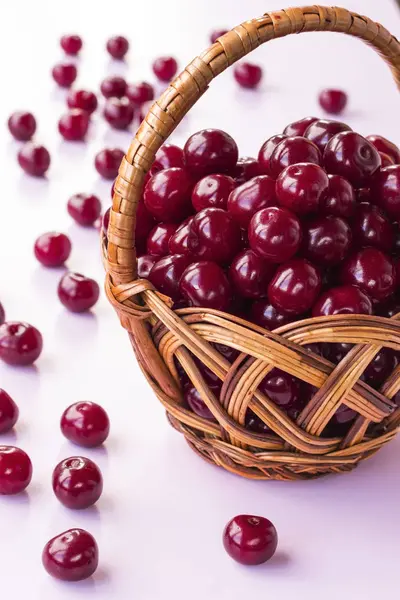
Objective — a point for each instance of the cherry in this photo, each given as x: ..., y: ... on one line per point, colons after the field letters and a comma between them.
x: 71, y: 556
x: 2, y: 314
x: 144, y: 224
x: 167, y: 156
x: 255, y: 424
x: 342, y: 300
x: 217, y: 33
x: 339, y: 200
x: 84, y: 208
x: 389, y: 308
x: 326, y: 240
x: 195, y: 402
x: 302, y: 187
x: 107, y: 162
x: 212, y: 191
x: 291, y: 151
x: 64, y: 74
x: 117, y: 46
x: 74, y: 125
x: 341, y: 421
x: 139, y: 93
x: 34, y: 159
x: 205, y: 284
x: 52, y: 249
x: 20, y: 343
x: 266, y: 151
x: 158, y: 238
x: 372, y: 271
x: 168, y: 193
x: 113, y: 87
x: 144, y: 265
x: 250, y: 274
x: 165, y: 68
x: 352, y: 156
x: 247, y: 75
x: 333, y: 101
x: 250, y: 197
x: 22, y: 125
x: 15, y: 470
x: 77, y: 292
x: 295, y: 286
x: 8, y: 412
x: 385, y: 146
x: 167, y: 272
x: 263, y: 313
x: 227, y: 352
x: 281, y: 388
x: 379, y: 369
x: 370, y: 227
x: 83, y: 100
x: 178, y: 242
x: 77, y: 482
x: 386, y: 160
x: 85, y: 424
x: 299, y: 127
x: 246, y: 168
x: 336, y: 352
x: 275, y: 233
x: 322, y: 130
x: 119, y: 112
x: 214, y: 235
x: 71, y: 44
x: 386, y: 190
x: 250, y: 540
x: 210, y: 151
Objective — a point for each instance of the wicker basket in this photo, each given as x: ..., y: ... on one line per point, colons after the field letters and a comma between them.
x: 160, y: 336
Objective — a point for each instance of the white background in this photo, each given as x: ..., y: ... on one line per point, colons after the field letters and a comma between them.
x: 160, y: 519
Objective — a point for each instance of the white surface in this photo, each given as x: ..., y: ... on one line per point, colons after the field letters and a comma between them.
x: 160, y: 520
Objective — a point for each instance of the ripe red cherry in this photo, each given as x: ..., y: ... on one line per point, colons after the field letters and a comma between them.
x: 212, y: 192
x: 166, y: 274
x: 113, y: 87
x: 144, y: 224
x: 227, y: 352
x: 210, y: 151
x: 8, y: 412
x: 167, y: 195
x: 214, y: 235
x: 255, y: 424
x: 266, y: 151
x: 386, y: 160
x: 85, y: 424
x: 250, y: 197
x: 250, y: 274
x: 15, y: 470
x: 389, y: 308
x: 370, y: 227
x: 107, y: 162
x: 139, y: 93
x: 250, y: 540
x: 380, y: 367
x: 20, y: 343
x: 83, y: 100
x: 341, y: 422
x: 352, y: 156
x: 342, y: 300
x: 372, y: 271
x: 340, y: 200
x: 158, y: 238
x: 144, y: 265
x: 385, y: 146
x: 22, y: 125
x: 291, y: 151
x: 117, y: 46
x: 119, y: 112
x: 301, y: 187
x: 64, y: 74
x: 34, y: 159
x: 165, y: 68
x: 386, y: 190
x: 326, y: 240
x: 71, y: 556
x: 195, y: 402
x: 299, y: 127
x: 77, y: 292
x: 167, y: 156
x: 247, y: 75
x: 322, y: 130
x: 333, y: 101
x: 178, y: 242
x: 295, y: 286
x: 281, y: 388
x: 205, y: 284
x: 214, y: 35
x: 52, y: 249
x: 74, y: 125
x: 71, y: 44
x: 77, y: 482
x: 263, y: 313
x: 84, y: 208
x: 275, y: 234
x: 246, y: 168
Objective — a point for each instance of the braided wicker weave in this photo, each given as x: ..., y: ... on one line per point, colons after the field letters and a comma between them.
x: 160, y: 336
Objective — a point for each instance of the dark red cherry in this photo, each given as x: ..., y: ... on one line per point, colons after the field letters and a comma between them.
x: 113, y: 87
x: 167, y: 195
x: 263, y: 313
x: 212, y: 191
x: 250, y: 540
x: 71, y: 44
x: 281, y: 388
x: 117, y: 46
x: 255, y: 424
x: 71, y: 556
x: 372, y: 271
x: 8, y: 412
x: 250, y: 197
x: 386, y: 160
x: 385, y: 190
x: 2, y: 314
x: 217, y: 33
x: 333, y: 101
x: 322, y: 130
x: 77, y: 482
x: 214, y: 235
x: 34, y: 159
x: 385, y: 146
x: 291, y: 151
x: 299, y: 127
x: 22, y: 125
x: 266, y: 150
x: 77, y: 292
x: 250, y: 274
x: 167, y: 156
x: 205, y: 284
x: 197, y: 404
x: 210, y: 151
x: 295, y: 286
x: 64, y: 74
x: 275, y: 234
x: 336, y: 352
x: 119, y: 112
x: 107, y: 162
x: 227, y: 352
x: 302, y: 187
x: 379, y: 369
x: 326, y: 240
x: 20, y: 343
x: 389, y: 308
x: 165, y: 68
x: 339, y: 201
x: 342, y: 300
x: 52, y: 249
x: 74, y: 125
x: 144, y: 225
x: 86, y: 424
x: 370, y: 227
x: 349, y: 154
x: 83, y: 100
x: 15, y: 470
x: 246, y: 168
x: 139, y: 93
x: 247, y: 75
x: 167, y: 272
x: 144, y: 265
x: 178, y: 242
x: 341, y: 421
x: 158, y: 238
x: 84, y: 208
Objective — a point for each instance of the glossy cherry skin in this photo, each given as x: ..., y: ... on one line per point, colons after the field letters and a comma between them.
x: 20, y: 343
x: 250, y: 197
x: 165, y: 68
x: 117, y: 46
x: 386, y: 160
x: 281, y: 388
x: 83, y: 100
x: 291, y: 151
x: 339, y: 200
x: 178, y: 242
x: 336, y: 352
x: 113, y: 87
x: 139, y: 93
x: 34, y: 159
x: 250, y: 540
x: 22, y: 125
x: 299, y: 127
x: 326, y: 240
x: 210, y: 151
x: 167, y: 272
x: 71, y: 556
x: 205, y: 284
x: 167, y: 195
x: 322, y: 130
x: 84, y: 208
x: 214, y: 235
x: 275, y: 234
x: 247, y: 75
x: 266, y: 151
x: 64, y: 74
x: 71, y: 44
x: 341, y: 422
x: 301, y: 187
x: 85, y: 424
x: 349, y: 154
x: 168, y: 156
x: 333, y: 101
x: 217, y: 33
x: 119, y: 112
x: 250, y: 274
x: 107, y: 162
x: 385, y: 146
x: 77, y: 482
x: 386, y: 190
x: 246, y: 168
x: 74, y: 125
x: 144, y: 265
x: 195, y: 402
x: 52, y: 249
x: 380, y: 367
x: 15, y: 470
x: 372, y: 271
x: 295, y: 286
x: 255, y: 424
x: 158, y: 239
x: 77, y: 292
x: 144, y: 225
x: 8, y: 412
x: 2, y: 314
x: 342, y: 300
x: 263, y: 313
x: 370, y: 227
x: 212, y: 191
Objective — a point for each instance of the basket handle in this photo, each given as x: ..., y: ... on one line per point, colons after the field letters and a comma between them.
x: 167, y: 112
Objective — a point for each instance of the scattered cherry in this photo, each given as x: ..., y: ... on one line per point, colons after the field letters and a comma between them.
x: 205, y: 284
x: 295, y: 286
x: 8, y: 412
x: 322, y: 130
x: 71, y: 44
x: 299, y: 127
x: 139, y: 93
x: 84, y: 208
x: 77, y: 482
x: 342, y: 300
x: 34, y: 159
x: 217, y: 33
x: 385, y: 146
x: 77, y: 292
x: 74, y: 125
x: 246, y: 168
x: 119, y: 112
x: 144, y: 265
x: 250, y: 197
x: 113, y: 87
x: 214, y: 235
x: 210, y: 151
x: 250, y: 540
x: 22, y: 125
x: 352, y: 156
x: 64, y: 74
x: 266, y: 151
x: 107, y: 162
x: 117, y: 46
x: 263, y: 313
x: 52, y: 249
x: 247, y: 75
x: 293, y: 150
x: 167, y: 195
x: 20, y: 343
x: 275, y: 233
x: 158, y: 238
x: 83, y: 100
x: 197, y: 404
x: 86, y: 424
x: 370, y: 227
x: 372, y: 271
x: 212, y: 191
x: 71, y: 556
x: 250, y: 274
x: 301, y: 187
x: 326, y: 240
x: 339, y: 200
x: 15, y: 470
x: 333, y: 101
x: 165, y: 68
x: 386, y: 190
